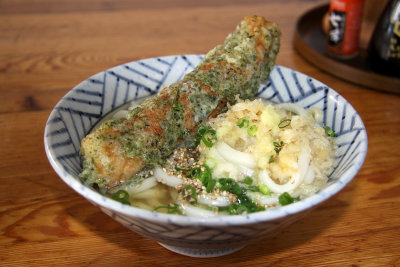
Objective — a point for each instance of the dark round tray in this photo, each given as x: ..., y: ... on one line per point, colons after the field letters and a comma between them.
x: 310, y: 42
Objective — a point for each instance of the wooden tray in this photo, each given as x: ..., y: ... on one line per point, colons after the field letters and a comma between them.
x: 310, y: 42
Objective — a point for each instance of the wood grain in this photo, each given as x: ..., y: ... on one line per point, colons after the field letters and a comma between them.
x: 47, y: 47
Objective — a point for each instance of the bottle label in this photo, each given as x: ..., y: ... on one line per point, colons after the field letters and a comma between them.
x: 394, y: 48
x: 337, y: 20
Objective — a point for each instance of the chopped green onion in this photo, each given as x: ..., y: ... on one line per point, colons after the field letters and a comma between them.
x: 271, y: 159
x: 248, y: 180
x: 209, y: 137
x: 286, y: 199
x: 243, y: 122
x: 205, y: 177
x: 121, y: 196
x: 232, y: 209
x: 208, y: 170
x: 330, y: 132
x: 210, y: 185
x: 252, y: 130
x: 181, y: 169
x: 201, y: 132
x: 244, y: 198
x: 195, y: 172
x: 237, y: 209
x: 193, y: 194
x: 171, y: 208
x: 245, y: 205
x: 264, y: 189
x: 278, y: 146
x: 237, y: 189
x: 284, y: 123
x: 241, y: 209
x: 202, y: 129
x: 207, y: 180
x: 226, y: 183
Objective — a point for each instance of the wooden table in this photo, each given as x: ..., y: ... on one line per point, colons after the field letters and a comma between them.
x: 47, y: 47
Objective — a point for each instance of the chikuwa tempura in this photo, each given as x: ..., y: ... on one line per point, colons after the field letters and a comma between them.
x: 204, y: 147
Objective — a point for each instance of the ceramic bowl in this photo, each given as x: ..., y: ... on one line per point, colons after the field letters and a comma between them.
x: 79, y: 110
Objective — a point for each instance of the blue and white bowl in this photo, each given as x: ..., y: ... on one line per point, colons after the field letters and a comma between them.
x: 81, y: 108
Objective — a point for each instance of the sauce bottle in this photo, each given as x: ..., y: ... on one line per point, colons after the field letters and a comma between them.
x: 384, y: 47
x: 345, y: 17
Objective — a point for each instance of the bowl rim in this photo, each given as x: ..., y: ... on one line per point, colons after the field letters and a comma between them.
x: 233, y: 220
